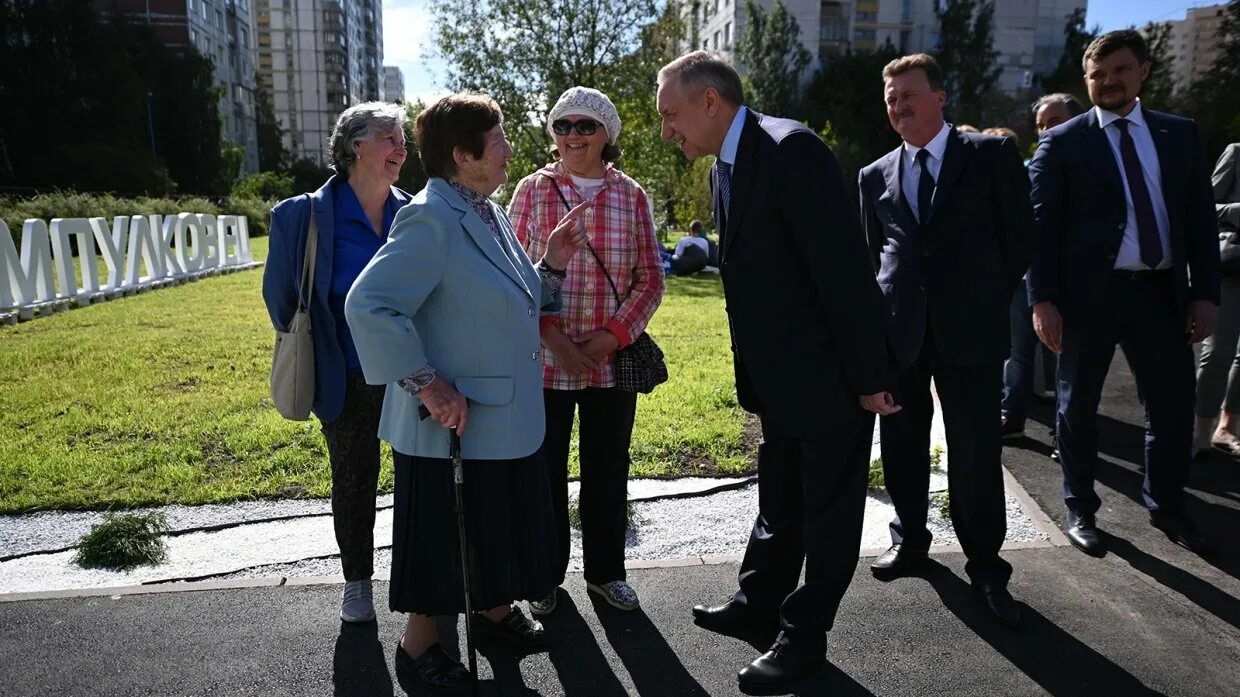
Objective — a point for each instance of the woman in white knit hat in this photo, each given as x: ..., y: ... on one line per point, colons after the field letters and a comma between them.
x: 608, y: 297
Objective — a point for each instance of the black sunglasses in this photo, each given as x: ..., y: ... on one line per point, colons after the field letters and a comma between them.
x: 584, y: 127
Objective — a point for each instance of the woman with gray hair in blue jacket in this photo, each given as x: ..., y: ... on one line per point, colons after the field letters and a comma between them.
x: 447, y: 316
x: 353, y: 210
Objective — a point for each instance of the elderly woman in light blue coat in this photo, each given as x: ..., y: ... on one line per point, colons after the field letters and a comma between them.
x: 447, y: 316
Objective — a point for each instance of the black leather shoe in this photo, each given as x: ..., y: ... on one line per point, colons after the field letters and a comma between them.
x: 897, y: 562
x: 1181, y: 530
x: 1011, y: 428
x: 434, y: 672
x: 1083, y: 534
x: 732, y: 616
x: 780, y: 666
x: 515, y: 628
x: 1000, y: 602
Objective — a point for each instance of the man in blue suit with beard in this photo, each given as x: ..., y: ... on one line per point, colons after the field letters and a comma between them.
x: 1125, y: 251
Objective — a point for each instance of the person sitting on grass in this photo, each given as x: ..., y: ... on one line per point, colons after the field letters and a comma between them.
x: 693, y: 253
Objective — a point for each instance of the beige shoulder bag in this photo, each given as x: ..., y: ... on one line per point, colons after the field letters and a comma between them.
x: 292, y: 366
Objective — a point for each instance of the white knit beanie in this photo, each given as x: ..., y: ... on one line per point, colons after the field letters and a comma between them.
x: 583, y: 101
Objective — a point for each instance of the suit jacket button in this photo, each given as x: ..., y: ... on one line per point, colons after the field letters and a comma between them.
x: 1121, y: 226
x: 534, y: 355
x: 1110, y: 257
x: 531, y: 312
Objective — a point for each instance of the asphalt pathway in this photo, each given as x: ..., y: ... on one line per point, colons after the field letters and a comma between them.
x: 1149, y: 618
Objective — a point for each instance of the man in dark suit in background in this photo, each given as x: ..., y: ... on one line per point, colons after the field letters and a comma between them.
x: 807, y: 339
x: 948, y: 220
x: 1125, y: 251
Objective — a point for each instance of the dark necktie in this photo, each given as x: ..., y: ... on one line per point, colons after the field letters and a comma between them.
x: 925, y: 187
x: 724, y: 171
x: 1147, y: 224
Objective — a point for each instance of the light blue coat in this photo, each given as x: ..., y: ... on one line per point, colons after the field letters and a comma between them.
x: 445, y: 291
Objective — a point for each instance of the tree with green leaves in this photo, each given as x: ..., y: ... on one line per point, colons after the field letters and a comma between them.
x: 1213, y: 100
x: 847, y: 95
x: 107, y: 89
x: 1158, y: 92
x: 967, y: 55
x: 1068, y: 76
x: 272, y: 155
x: 525, y: 53
x: 412, y: 173
x: 773, y: 58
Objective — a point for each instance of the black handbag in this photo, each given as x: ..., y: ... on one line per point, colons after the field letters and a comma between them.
x: 639, y: 366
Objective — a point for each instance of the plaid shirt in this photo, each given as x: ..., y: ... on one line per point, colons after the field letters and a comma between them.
x: 622, y: 234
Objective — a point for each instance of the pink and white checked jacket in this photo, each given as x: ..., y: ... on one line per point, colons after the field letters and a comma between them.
x: 622, y: 234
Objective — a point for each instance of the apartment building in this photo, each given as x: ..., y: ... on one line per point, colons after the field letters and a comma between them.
x: 1195, y: 43
x: 316, y: 58
x: 393, y: 84
x: 222, y: 31
x: 1027, y: 33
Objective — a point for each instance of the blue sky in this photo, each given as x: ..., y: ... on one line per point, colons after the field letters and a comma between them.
x: 408, y: 43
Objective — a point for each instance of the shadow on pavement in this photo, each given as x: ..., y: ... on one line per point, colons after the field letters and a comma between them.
x: 579, y: 662
x: 359, y: 666
x: 652, y: 664
x: 1205, y: 595
x: 1057, y: 661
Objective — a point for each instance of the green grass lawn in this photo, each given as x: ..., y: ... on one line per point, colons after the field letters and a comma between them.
x: 162, y: 398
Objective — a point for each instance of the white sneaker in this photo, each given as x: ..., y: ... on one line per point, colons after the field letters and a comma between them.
x: 358, y: 604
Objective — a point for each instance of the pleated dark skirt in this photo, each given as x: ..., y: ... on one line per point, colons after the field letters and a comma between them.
x: 509, y: 524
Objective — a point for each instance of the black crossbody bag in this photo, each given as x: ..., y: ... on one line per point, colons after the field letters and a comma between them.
x: 639, y: 366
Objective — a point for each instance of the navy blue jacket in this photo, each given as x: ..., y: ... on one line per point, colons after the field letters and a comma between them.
x: 290, y: 224
x: 954, y: 275
x: 1081, y: 212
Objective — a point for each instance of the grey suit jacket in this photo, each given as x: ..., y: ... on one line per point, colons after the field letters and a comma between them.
x: 1226, y: 182
x: 445, y: 291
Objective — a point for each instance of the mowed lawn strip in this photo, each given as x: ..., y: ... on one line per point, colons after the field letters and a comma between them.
x: 162, y: 398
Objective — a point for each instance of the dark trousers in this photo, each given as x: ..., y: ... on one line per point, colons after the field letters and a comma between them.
x: 606, y: 427
x: 1018, y: 370
x: 811, y: 499
x: 1142, y: 318
x: 353, y: 449
x: 974, y: 447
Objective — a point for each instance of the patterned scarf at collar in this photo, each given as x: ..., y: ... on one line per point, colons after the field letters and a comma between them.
x: 480, y: 205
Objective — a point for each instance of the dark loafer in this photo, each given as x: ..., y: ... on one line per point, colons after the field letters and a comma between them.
x: 732, y: 616
x: 433, y: 672
x: 1082, y: 532
x: 515, y: 628
x: 1181, y: 530
x: 1000, y: 603
x: 897, y: 562
x: 779, y: 666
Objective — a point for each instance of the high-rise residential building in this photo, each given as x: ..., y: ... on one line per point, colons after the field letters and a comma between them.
x: 316, y: 58
x: 1027, y: 33
x: 1195, y: 43
x: 393, y: 84
x: 222, y: 31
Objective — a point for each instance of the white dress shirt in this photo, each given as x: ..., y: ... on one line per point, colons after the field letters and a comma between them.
x: 1129, y: 257
x: 727, y: 152
x: 911, y: 175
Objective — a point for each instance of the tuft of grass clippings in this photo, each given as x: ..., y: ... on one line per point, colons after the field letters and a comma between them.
x: 876, y: 479
x: 124, y: 542
x: 942, y: 503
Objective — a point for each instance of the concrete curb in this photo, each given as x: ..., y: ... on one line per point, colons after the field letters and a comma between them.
x: 1035, y: 513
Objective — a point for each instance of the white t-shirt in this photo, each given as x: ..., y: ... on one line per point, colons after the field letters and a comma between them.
x: 587, y: 187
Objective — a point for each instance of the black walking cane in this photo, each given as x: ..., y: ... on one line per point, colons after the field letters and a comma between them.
x: 458, y: 485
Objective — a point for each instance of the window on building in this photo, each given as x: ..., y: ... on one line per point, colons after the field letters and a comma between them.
x: 907, y: 11
x: 203, y: 6
x: 867, y: 16
x: 245, y: 38
x: 716, y: 41
x: 727, y: 35
x: 865, y: 34
x: 189, y: 5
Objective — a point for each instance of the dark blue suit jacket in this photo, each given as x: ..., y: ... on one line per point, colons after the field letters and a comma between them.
x: 954, y: 275
x: 1081, y: 212
x: 803, y: 309
x: 290, y: 224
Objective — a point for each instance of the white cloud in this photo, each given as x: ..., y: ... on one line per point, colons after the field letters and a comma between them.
x: 408, y: 44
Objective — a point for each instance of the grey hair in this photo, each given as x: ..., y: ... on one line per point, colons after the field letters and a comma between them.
x: 359, y: 123
x: 701, y: 69
x: 1074, y: 107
